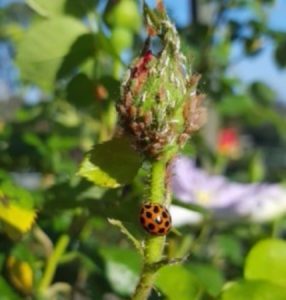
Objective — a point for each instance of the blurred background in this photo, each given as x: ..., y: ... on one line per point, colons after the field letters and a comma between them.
x: 61, y: 64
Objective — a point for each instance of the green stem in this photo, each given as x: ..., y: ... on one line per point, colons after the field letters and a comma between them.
x: 220, y: 165
x: 157, y: 184
x: 53, y: 262
x: 154, y: 245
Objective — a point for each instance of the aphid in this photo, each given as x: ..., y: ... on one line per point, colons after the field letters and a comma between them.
x: 141, y: 125
x: 155, y: 219
x: 121, y: 109
x: 132, y: 111
x: 148, y: 118
x: 127, y: 101
x: 135, y: 129
x: 183, y: 137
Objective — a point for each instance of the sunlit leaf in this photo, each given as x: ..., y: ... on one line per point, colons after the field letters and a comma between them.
x: 122, y: 268
x: 16, y: 210
x: 267, y: 260
x: 176, y: 282
x: 38, y: 58
x: 58, y: 7
x: 254, y: 290
x: 94, y: 174
x: 47, y: 8
x: 111, y: 164
x: 16, y: 220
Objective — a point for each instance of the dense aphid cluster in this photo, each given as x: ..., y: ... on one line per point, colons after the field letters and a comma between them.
x: 155, y: 219
x: 160, y: 107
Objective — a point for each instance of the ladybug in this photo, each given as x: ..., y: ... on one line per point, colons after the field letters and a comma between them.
x: 155, y: 218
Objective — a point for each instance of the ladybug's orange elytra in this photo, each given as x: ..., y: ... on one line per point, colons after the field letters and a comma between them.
x: 155, y: 219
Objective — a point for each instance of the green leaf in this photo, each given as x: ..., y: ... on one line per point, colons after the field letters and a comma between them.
x: 53, y: 8
x: 16, y: 195
x: 235, y: 105
x: 220, y: 53
x: 16, y: 220
x: 176, y: 282
x: 42, y: 73
x: 262, y: 93
x: 47, y: 8
x: 111, y: 164
x: 80, y: 91
x: 112, y: 85
x: 94, y: 174
x: 210, y: 277
x: 43, y: 47
x: 6, y: 291
x: 280, y: 56
x: 253, y: 290
x: 16, y: 209
x: 229, y: 247
x: 267, y: 260
x: 83, y: 48
x: 252, y: 45
x: 122, y: 268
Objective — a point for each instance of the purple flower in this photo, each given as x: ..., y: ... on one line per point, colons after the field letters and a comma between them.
x: 226, y: 199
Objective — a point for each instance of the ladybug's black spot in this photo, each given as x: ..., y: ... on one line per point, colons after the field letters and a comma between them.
x: 151, y: 226
x: 158, y: 220
x: 162, y: 230
x: 142, y: 211
x: 142, y: 220
x: 165, y: 215
x: 148, y: 214
x: 156, y: 209
x: 147, y: 206
x: 167, y: 223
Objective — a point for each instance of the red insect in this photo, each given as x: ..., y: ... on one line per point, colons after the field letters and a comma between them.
x: 155, y: 219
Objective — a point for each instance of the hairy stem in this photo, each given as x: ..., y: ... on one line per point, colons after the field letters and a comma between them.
x: 157, y: 184
x: 154, y: 245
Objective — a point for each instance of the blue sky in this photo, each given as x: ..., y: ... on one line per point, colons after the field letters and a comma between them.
x: 263, y: 67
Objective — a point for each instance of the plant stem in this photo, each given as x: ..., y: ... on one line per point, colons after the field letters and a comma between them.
x: 154, y: 245
x: 157, y: 184
x: 53, y: 261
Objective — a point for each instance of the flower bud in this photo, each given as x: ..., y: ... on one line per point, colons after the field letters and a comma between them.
x: 228, y: 143
x: 20, y: 275
x: 160, y: 107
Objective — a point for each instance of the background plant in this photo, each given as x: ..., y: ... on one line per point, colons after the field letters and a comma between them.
x: 73, y: 54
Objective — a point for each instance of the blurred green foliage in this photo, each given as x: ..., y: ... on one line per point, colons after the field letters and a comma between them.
x: 76, y: 54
